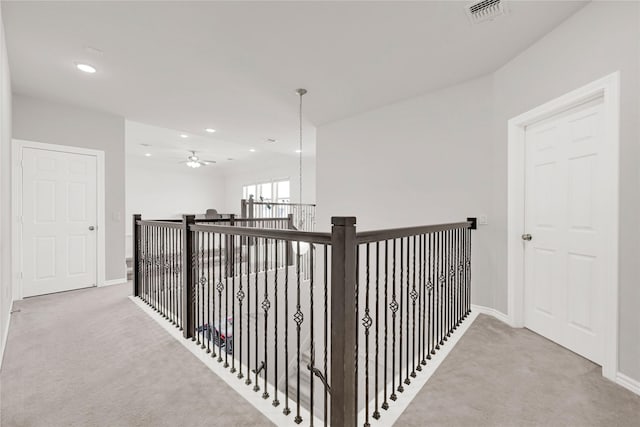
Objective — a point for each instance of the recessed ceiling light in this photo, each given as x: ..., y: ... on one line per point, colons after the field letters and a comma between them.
x: 184, y: 135
x: 230, y: 159
x: 147, y: 154
x: 253, y: 150
x: 298, y: 151
x: 86, y: 68
x: 210, y: 130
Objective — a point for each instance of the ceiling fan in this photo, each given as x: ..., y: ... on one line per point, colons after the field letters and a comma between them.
x: 194, y: 161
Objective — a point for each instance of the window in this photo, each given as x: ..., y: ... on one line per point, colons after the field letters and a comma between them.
x: 271, y: 191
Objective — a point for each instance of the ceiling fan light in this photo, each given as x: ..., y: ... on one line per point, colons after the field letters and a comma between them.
x: 193, y: 164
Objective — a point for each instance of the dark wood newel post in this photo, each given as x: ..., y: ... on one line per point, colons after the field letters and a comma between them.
x: 344, y: 328
x: 243, y: 208
x: 136, y: 254
x: 188, y: 329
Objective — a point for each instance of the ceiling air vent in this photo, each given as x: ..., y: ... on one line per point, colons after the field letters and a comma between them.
x: 485, y: 10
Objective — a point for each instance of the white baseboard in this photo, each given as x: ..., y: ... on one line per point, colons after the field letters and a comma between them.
x: 114, y: 282
x: 5, y: 334
x: 628, y: 383
x: 491, y: 312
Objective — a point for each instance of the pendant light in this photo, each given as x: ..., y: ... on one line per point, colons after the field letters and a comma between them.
x: 300, y: 248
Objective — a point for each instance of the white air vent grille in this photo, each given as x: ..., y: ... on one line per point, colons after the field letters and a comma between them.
x: 485, y: 10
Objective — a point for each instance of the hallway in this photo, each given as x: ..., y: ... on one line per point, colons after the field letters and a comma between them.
x: 92, y: 358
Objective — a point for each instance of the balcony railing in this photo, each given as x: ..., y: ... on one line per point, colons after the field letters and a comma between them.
x: 304, y: 215
x: 337, y: 348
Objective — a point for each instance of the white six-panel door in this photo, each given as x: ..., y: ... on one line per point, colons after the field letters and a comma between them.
x: 563, y: 214
x: 59, y: 215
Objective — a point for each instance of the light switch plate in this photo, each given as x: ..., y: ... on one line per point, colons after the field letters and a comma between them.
x: 482, y: 220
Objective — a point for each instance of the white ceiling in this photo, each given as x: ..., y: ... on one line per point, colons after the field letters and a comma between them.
x: 234, y: 66
x: 167, y: 146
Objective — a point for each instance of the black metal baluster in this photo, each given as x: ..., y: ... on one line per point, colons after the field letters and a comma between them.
x: 249, y: 246
x: 220, y: 287
x: 233, y: 304
x: 165, y: 273
x: 275, y: 402
x: 438, y: 290
x: 468, y: 267
x: 161, y: 271
x: 154, y: 267
x: 206, y: 275
x: 256, y: 386
x: 326, y: 334
x: 286, y: 410
x: 406, y: 379
x: 169, y: 274
x: 376, y: 412
x: 400, y: 386
x: 366, y: 322
x: 443, y: 280
x: 203, y: 283
x: 394, y: 308
x: 266, y: 304
x: 430, y: 292
x: 228, y: 246
x: 196, y: 285
x: 311, y: 335
x: 425, y: 313
x: 452, y: 281
x: 240, y: 295
x: 414, y: 296
x: 356, y: 326
x: 445, y: 295
x: 299, y: 318
x: 385, y: 403
x: 459, y: 270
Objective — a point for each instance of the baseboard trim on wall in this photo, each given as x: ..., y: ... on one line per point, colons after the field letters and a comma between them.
x: 628, y: 383
x: 5, y: 334
x: 491, y: 312
x: 114, y: 282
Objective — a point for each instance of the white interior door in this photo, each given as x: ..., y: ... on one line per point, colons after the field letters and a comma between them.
x: 564, y: 205
x: 59, y: 216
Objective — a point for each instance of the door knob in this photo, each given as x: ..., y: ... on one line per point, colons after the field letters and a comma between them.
x: 91, y: 228
x: 526, y: 237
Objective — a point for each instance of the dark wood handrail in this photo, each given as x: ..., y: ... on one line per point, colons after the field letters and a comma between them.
x: 269, y: 233
x: 396, y: 233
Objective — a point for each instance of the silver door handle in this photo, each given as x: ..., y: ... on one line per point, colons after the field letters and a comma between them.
x: 526, y: 237
x: 91, y: 228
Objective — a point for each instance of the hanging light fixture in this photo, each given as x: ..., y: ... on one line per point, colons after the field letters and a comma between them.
x: 300, y: 248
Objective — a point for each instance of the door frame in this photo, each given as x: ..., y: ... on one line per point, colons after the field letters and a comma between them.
x: 608, y: 88
x: 17, y: 185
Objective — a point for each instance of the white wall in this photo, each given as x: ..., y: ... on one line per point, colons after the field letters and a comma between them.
x: 443, y: 156
x: 6, y: 296
x: 598, y: 40
x: 287, y: 168
x: 158, y: 191
x: 50, y: 122
x: 421, y: 161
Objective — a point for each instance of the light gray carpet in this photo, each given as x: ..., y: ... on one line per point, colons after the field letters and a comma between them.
x: 500, y: 376
x: 92, y: 358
